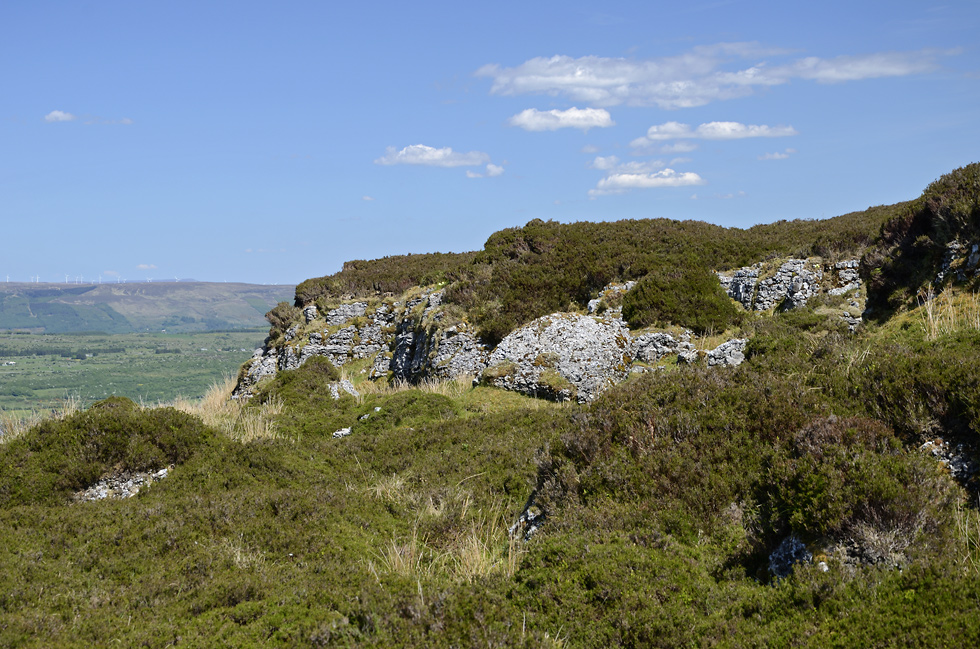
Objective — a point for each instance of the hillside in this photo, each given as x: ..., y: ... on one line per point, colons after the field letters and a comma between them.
x: 125, y: 308
x: 638, y: 434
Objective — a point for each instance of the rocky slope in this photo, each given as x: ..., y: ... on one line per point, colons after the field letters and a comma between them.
x: 561, y: 356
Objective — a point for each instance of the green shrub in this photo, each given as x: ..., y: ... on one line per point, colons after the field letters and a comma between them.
x: 281, y: 317
x: 688, y: 295
x: 57, y: 458
x: 838, y: 474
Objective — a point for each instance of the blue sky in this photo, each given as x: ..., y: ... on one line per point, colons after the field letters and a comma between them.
x: 269, y: 142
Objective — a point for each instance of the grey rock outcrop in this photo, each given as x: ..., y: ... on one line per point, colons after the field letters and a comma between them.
x: 562, y: 356
x: 727, y: 354
x: 120, y: 485
x: 741, y: 285
x: 791, y: 286
x: 847, y: 276
x: 342, y: 385
x: 611, y: 293
x: 652, y: 347
x: 344, y: 313
x: 960, y: 262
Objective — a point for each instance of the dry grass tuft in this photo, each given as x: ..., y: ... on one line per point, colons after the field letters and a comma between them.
x: 949, y: 311
x: 967, y: 523
x: 13, y: 426
x: 239, y: 420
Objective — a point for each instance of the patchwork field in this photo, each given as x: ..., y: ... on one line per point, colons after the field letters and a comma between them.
x: 39, y: 371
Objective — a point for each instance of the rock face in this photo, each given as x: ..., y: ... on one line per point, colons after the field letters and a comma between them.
x: 960, y: 262
x: 741, y: 285
x: 792, y: 285
x: 405, y: 339
x: 562, y: 356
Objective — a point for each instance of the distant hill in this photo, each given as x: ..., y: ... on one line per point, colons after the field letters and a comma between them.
x: 125, y: 308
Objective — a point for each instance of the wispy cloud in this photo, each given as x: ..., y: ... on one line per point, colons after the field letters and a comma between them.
x: 618, y: 183
x: 420, y: 154
x: 777, y: 155
x: 533, y: 119
x: 708, y: 131
x: 367, y: 198
x: 62, y: 116
x: 491, y: 172
x: 146, y: 266
x: 700, y: 76
x: 59, y: 116
x: 613, y: 165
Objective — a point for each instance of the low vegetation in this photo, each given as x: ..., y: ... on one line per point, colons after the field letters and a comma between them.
x: 458, y: 515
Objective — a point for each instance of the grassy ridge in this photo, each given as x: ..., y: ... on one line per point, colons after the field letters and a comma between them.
x: 661, y: 503
x: 543, y: 267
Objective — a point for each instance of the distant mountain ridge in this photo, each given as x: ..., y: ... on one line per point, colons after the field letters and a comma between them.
x: 183, y: 306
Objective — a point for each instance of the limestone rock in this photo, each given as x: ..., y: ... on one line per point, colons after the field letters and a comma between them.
x: 345, y: 385
x: 381, y: 366
x: 458, y: 353
x: 310, y: 313
x: 562, y: 356
x: 687, y: 357
x: 120, y: 485
x: 848, y: 278
x: 651, y: 347
x: 741, y: 285
x: 727, y: 354
x: 345, y: 312
x: 790, y: 288
x: 610, y: 293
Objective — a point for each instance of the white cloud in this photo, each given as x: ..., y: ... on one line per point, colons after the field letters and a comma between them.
x: 777, y: 155
x: 367, y: 198
x: 590, y: 148
x: 492, y: 172
x: 420, y: 154
x: 666, y: 131
x: 707, y: 131
x: 619, y: 183
x: 695, y: 78
x: 533, y: 119
x: 613, y: 165
x: 737, y: 131
x: 146, y: 266
x: 58, y: 116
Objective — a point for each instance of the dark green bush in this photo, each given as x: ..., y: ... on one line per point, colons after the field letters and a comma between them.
x: 57, y: 458
x: 836, y: 474
x: 281, y: 317
x: 688, y: 295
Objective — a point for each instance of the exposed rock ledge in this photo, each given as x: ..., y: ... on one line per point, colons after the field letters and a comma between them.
x: 561, y: 356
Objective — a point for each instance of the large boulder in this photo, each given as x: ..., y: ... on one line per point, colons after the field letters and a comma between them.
x: 562, y: 356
